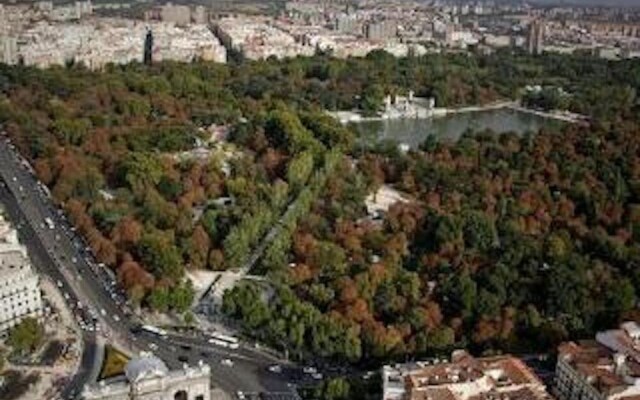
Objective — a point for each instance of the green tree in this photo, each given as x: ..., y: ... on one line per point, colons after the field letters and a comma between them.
x: 140, y: 171
x: 181, y: 296
x: 372, y: 99
x: 26, y: 337
x: 158, y: 299
x: 479, y: 231
x: 336, y: 389
x: 158, y: 252
x: 299, y: 170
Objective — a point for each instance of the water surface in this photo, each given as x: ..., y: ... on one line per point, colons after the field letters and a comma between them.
x: 414, y: 131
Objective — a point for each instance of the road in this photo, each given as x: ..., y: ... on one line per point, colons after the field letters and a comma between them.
x: 100, y: 308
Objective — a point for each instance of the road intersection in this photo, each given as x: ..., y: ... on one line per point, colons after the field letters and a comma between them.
x: 62, y: 255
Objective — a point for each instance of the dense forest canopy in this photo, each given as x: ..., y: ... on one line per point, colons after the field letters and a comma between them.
x: 506, y: 242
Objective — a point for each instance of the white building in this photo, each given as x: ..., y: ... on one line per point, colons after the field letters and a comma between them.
x: 148, y: 378
x: 19, y: 292
x: 605, y: 369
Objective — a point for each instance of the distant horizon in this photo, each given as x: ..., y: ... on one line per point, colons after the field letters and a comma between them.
x: 590, y: 3
x: 603, y: 3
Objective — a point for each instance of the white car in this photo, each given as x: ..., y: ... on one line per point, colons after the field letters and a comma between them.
x: 275, y: 369
x: 240, y: 395
x: 317, y: 376
x: 227, y: 362
x: 309, y: 370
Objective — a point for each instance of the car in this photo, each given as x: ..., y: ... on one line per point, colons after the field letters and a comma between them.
x: 275, y: 368
x: 309, y: 370
x: 153, y: 346
x: 368, y: 375
x: 227, y: 362
x: 116, y: 318
x: 240, y: 395
x: 74, y: 260
x: 66, y: 296
x: 103, y: 312
x: 59, y: 283
x: 205, y: 354
x: 185, y: 347
x: 183, y: 359
x: 317, y: 376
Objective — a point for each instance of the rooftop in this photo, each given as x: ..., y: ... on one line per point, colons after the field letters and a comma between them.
x: 463, y: 378
x: 145, y: 367
x: 611, y: 363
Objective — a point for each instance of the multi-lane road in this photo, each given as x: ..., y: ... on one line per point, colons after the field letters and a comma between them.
x: 62, y: 255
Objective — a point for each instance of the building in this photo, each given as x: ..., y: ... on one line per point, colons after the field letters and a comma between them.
x: 20, y: 295
x: 178, y: 14
x: 199, y: 15
x: 83, y: 8
x: 148, y: 378
x: 8, y: 50
x: 345, y: 23
x: 535, y: 37
x: 382, y: 30
x: 607, y: 368
x: 464, y: 377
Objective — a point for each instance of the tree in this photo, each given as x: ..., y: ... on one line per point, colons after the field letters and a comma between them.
x: 158, y: 251
x: 478, y: 230
x: 329, y: 258
x: 372, y: 99
x: 140, y: 171
x: 26, y: 337
x: 461, y: 291
x: 181, y: 296
x: 127, y: 231
x: 159, y: 299
x: 199, y: 245
x: 299, y: 170
x: 336, y: 389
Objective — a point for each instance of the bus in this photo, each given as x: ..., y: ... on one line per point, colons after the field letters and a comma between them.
x: 154, y: 330
x: 223, y: 340
x: 224, y: 343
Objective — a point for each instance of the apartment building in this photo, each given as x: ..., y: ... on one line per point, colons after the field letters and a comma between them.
x: 19, y: 291
x: 464, y: 377
x: 607, y: 368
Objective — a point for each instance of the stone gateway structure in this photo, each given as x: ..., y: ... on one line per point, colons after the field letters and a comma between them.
x: 148, y: 378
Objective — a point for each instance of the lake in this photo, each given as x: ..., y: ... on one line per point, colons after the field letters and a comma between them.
x: 450, y: 127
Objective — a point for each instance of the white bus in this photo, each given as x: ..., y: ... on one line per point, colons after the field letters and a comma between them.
x: 154, y: 330
x: 224, y: 340
x: 224, y: 343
